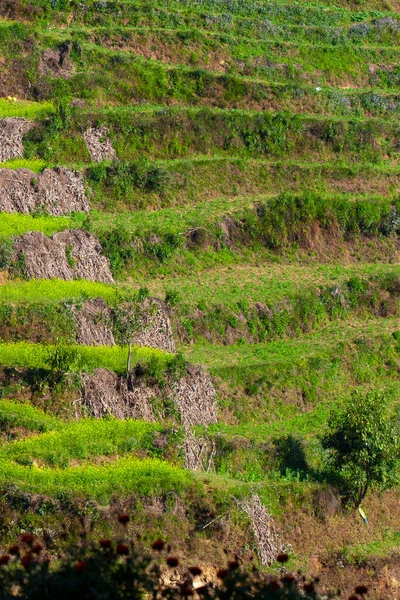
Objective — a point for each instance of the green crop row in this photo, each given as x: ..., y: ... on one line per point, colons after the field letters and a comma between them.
x: 36, y: 356
x: 148, y: 477
x: 18, y: 414
x: 81, y: 441
x: 166, y: 133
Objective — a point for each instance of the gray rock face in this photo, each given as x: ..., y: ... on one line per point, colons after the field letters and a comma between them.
x: 68, y: 255
x: 104, y: 393
x: 57, y: 191
x: 94, y: 323
x: 12, y: 131
x: 99, y: 144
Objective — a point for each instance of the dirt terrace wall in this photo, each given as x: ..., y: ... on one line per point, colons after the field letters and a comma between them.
x: 104, y: 393
x: 57, y: 191
x: 12, y: 131
x: 68, y: 255
x: 156, y: 329
x: 99, y: 144
x: 267, y: 538
x: 94, y: 323
x: 56, y: 63
x: 194, y: 395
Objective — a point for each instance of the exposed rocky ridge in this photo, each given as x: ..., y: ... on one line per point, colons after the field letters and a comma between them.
x: 68, y: 255
x: 155, y: 327
x: 104, y: 393
x: 57, y: 191
x: 94, y: 323
x: 12, y: 131
x: 99, y: 144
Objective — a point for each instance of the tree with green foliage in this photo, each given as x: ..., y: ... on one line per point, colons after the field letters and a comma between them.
x: 363, y: 444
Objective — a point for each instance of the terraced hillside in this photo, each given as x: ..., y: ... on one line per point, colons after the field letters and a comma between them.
x: 199, y: 258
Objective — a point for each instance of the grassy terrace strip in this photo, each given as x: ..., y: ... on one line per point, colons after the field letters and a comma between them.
x: 148, y: 477
x: 272, y: 354
x: 169, y: 133
x: 184, y: 182
x: 56, y: 290
x: 378, y: 30
x: 272, y: 60
x: 25, y: 108
x: 36, y: 356
x: 299, y: 12
x: 106, y: 77
x: 17, y: 224
x: 35, y: 165
x: 18, y: 414
x: 231, y: 285
x: 88, y: 438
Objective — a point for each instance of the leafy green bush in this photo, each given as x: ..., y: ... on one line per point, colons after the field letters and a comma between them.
x: 363, y: 444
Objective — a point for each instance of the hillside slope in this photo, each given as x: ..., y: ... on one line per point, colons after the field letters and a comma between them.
x: 199, y: 257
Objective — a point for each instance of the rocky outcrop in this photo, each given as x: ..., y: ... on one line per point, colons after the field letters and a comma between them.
x: 104, y: 393
x: 99, y: 144
x: 194, y: 395
x: 57, y: 191
x: 12, y: 131
x: 68, y: 255
x: 56, y: 63
x: 155, y: 326
x: 94, y: 323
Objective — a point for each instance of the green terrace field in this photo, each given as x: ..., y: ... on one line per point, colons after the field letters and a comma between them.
x: 244, y: 170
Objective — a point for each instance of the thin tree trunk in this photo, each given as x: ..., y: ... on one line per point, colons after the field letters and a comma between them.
x: 128, y: 364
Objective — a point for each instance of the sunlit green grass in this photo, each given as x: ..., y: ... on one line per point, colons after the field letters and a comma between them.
x: 148, y: 477
x: 319, y: 343
x: 25, y: 108
x: 17, y: 224
x: 55, y: 290
x: 29, y: 355
x: 21, y: 414
x: 35, y: 165
x: 81, y: 441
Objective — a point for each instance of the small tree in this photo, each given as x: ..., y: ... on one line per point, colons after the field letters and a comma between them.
x: 129, y: 320
x: 363, y: 444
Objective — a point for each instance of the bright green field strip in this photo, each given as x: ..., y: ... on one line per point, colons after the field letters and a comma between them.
x: 18, y: 414
x: 28, y: 355
x: 17, y: 224
x: 56, y: 290
x: 319, y: 343
x: 35, y: 165
x: 267, y: 283
x: 306, y: 424
x: 171, y: 220
x: 25, y: 108
x: 81, y: 441
x: 149, y: 477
